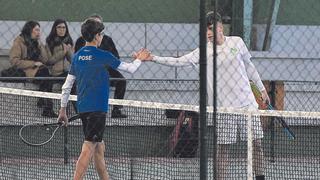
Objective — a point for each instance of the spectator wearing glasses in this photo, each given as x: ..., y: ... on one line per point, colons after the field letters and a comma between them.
x: 59, y: 46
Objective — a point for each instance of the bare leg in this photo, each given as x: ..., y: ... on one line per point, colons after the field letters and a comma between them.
x: 222, y: 160
x: 99, y: 161
x: 258, y: 158
x: 87, y: 151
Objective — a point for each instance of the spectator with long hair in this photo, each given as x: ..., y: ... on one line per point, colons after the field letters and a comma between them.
x: 28, y: 54
x: 59, y: 46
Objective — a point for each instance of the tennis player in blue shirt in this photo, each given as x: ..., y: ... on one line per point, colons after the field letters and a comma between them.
x: 89, y: 70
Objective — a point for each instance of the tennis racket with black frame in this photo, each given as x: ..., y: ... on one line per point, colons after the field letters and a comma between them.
x: 280, y: 120
x: 39, y: 134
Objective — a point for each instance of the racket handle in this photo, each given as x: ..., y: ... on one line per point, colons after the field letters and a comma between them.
x: 289, y: 133
x: 270, y: 106
x: 284, y: 125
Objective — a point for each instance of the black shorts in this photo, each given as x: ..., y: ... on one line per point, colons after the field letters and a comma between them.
x: 94, y: 124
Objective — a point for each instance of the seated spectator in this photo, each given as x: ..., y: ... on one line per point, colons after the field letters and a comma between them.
x: 59, y: 46
x: 29, y: 54
x: 107, y: 44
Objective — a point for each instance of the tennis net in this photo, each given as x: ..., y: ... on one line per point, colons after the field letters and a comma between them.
x: 140, y: 146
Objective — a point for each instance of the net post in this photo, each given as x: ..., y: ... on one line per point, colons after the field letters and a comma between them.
x: 249, y: 146
x: 272, y: 139
x: 272, y: 95
x: 203, y: 93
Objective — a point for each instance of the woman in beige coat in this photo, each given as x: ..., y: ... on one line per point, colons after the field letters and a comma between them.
x: 59, y: 48
x: 28, y: 54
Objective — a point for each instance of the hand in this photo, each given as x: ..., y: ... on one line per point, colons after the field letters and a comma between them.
x: 143, y: 55
x: 264, y: 96
x: 38, y: 64
x: 63, y: 116
x: 66, y: 48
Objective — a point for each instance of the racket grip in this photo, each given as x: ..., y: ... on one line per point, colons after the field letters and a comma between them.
x: 289, y: 133
x: 285, y: 127
x: 270, y: 106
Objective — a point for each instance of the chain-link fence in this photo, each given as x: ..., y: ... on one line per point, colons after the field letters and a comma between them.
x: 278, y: 39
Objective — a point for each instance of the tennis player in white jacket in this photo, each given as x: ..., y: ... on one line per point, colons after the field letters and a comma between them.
x: 234, y: 72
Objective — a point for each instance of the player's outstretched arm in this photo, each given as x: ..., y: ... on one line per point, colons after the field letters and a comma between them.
x: 190, y: 59
x: 142, y: 55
